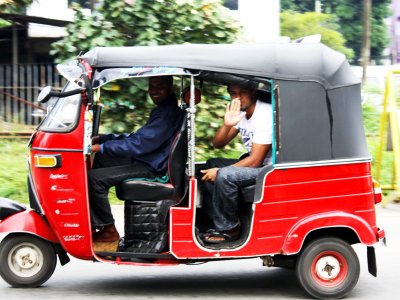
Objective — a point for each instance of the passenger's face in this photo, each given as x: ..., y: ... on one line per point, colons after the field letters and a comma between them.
x: 159, y: 89
x: 245, y: 96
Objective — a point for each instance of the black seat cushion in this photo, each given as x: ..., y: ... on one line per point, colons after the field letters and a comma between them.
x: 141, y: 190
x: 9, y: 207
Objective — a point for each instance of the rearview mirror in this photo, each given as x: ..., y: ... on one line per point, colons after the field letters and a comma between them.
x: 47, y: 93
x: 44, y: 94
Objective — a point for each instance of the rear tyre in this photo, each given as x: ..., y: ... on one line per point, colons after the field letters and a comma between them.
x: 328, y: 268
x: 26, y: 261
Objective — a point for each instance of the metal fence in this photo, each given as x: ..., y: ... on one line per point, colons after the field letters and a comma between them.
x: 19, y: 88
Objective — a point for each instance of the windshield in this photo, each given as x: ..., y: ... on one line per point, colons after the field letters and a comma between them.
x: 62, y: 112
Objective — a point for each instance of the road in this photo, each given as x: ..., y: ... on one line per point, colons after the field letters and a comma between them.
x: 240, y: 279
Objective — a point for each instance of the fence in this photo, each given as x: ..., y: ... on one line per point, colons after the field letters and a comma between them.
x: 19, y: 88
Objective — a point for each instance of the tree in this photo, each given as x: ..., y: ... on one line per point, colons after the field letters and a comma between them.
x: 151, y: 22
x: 148, y: 22
x: 296, y: 25
x: 366, y: 40
x: 349, y: 16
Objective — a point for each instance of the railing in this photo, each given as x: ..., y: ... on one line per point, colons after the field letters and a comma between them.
x: 390, y: 127
x: 19, y: 88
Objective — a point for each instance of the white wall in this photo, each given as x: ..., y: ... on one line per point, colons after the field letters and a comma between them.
x: 51, y: 9
x: 260, y: 19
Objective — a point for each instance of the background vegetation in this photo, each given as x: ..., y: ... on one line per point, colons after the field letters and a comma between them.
x: 348, y: 14
x: 13, y: 169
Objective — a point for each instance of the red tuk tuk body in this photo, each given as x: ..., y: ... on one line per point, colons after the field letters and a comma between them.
x: 326, y: 197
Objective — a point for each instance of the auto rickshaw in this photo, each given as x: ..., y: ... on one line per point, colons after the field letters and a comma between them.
x: 303, y: 212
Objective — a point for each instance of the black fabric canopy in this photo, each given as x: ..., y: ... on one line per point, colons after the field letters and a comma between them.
x: 285, y: 61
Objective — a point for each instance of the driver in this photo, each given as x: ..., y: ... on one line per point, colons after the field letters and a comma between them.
x: 142, y: 154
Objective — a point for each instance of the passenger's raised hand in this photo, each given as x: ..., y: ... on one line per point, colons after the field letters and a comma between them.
x: 233, y: 115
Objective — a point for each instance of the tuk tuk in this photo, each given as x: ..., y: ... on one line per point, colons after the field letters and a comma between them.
x: 304, y: 211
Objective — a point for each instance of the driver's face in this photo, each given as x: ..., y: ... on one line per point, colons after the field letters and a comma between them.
x: 159, y: 89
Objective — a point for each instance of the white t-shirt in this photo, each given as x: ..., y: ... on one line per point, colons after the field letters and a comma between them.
x: 257, y: 129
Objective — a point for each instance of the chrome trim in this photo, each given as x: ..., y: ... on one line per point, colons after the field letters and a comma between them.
x: 323, y: 163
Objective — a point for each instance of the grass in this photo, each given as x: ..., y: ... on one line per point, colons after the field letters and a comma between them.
x: 13, y: 170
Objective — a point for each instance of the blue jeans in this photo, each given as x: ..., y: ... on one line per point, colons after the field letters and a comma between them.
x: 221, y: 198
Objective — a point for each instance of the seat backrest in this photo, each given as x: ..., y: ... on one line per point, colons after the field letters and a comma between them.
x: 178, y: 158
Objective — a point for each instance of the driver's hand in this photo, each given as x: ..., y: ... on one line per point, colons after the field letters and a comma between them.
x: 96, y: 148
x: 209, y: 174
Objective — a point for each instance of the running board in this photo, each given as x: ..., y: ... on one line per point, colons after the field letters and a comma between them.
x: 136, y: 256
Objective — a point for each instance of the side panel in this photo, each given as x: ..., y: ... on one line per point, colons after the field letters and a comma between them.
x: 62, y: 192
x: 292, y: 197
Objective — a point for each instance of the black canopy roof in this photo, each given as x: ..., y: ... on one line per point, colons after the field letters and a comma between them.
x: 285, y: 61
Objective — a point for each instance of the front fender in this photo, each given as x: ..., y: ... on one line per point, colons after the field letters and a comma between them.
x: 296, y: 236
x: 30, y: 222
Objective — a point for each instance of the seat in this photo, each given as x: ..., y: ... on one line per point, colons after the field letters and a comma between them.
x: 9, y: 207
x: 142, y: 190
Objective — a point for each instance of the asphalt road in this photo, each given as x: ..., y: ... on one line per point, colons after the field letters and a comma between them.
x: 240, y: 279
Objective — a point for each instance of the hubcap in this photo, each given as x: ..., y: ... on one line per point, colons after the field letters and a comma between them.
x: 327, y: 267
x: 25, y: 260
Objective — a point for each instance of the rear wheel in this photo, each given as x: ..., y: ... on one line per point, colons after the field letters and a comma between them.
x: 328, y: 268
x: 26, y: 261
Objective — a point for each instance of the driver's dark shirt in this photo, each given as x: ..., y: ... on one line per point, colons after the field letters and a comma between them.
x: 151, y: 143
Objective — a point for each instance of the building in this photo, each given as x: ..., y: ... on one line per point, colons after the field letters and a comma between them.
x: 260, y: 19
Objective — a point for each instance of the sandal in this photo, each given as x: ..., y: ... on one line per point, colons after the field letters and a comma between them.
x: 214, y: 236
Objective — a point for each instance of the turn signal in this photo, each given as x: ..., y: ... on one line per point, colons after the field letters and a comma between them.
x: 47, y: 161
x: 377, y: 191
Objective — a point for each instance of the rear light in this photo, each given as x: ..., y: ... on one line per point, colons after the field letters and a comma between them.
x: 377, y: 191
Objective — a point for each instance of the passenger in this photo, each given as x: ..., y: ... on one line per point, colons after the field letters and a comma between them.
x: 142, y: 154
x: 224, y: 177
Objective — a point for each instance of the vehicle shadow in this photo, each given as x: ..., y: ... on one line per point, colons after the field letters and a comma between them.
x: 280, y: 283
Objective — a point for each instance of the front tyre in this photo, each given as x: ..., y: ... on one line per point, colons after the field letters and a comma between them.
x: 26, y: 261
x: 328, y: 268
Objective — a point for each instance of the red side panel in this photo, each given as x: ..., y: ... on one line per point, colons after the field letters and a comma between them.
x: 29, y: 222
x: 62, y: 192
x: 292, y: 205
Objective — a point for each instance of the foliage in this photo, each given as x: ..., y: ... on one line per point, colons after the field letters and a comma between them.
x: 296, y: 25
x: 85, y: 33
x: 349, y: 15
x: 148, y: 22
x: 12, y: 7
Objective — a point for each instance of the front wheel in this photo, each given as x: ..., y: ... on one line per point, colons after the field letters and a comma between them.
x: 328, y: 268
x: 26, y: 261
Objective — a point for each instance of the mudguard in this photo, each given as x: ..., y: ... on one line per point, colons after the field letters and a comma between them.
x: 27, y: 221
x: 301, y: 229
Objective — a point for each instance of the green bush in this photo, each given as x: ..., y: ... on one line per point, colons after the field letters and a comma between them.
x: 13, y: 170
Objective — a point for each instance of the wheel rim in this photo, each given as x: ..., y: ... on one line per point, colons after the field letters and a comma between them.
x: 329, y: 269
x: 25, y: 260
